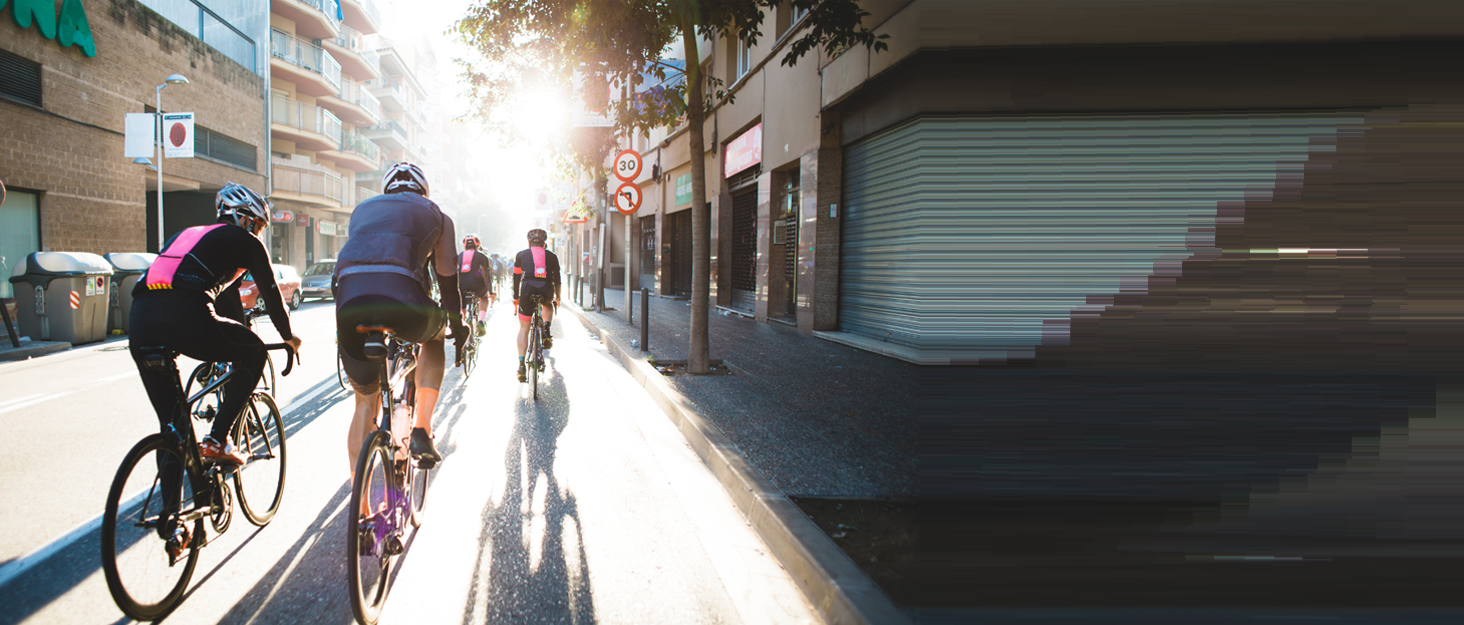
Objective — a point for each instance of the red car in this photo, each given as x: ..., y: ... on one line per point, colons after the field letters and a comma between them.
x: 285, y: 276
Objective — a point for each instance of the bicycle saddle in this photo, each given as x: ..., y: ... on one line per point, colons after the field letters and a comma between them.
x: 157, y: 356
x: 374, y: 348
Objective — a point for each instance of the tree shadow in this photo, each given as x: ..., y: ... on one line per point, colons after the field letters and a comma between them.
x: 531, y: 563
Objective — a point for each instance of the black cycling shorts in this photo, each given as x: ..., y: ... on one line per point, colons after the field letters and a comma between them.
x: 527, y: 291
x: 470, y: 284
x: 381, y: 299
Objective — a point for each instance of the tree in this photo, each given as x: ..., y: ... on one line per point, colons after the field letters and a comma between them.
x: 625, y: 43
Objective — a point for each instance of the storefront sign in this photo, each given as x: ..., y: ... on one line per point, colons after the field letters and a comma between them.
x: 178, y: 135
x: 302, y: 220
x: 69, y: 27
x: 683, y: 189
x: 743, y: 152
x: 327, y: 228
x: 282, y: 217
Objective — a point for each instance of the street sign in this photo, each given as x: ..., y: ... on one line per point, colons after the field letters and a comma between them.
x: 627, y: 165
x: 140, y: 136
x: 627, y: 198
x: 542, y: 202
x: 178, y: 135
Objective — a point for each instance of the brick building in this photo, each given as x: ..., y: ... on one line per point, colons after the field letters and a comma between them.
x: 62, y: 110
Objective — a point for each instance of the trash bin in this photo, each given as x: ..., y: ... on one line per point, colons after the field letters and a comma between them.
x: 127, y: 268
x: 66, y: 299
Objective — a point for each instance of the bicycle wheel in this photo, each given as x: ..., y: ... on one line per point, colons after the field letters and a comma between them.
x: 533, y: 359
x: 203, y: 375
x: 267, y: 380
x: 369, y: 548
x: 418, y: 478
x: 470, y: 359
x: 260, y: 435
x: 143, y: 506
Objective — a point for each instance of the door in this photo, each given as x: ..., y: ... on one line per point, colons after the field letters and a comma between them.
x: 744, y: 249
x: 648, y: 253
x: 677, y: 247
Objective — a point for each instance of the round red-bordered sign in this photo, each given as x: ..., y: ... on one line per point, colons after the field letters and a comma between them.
x: 628, y: 198
x: 628, y: 165
x: 177, y: 134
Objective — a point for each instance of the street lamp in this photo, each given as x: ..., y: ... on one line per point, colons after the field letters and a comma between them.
x: 145, y: 162
x: 175, y: 79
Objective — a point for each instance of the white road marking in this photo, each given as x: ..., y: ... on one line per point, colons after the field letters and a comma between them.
x: 25, y: 404
x: 18, y: 400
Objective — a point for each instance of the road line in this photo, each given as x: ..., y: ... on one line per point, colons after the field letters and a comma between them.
x: 19, y: 399
x: 116, y: 377
x: 15, y: 568
x: 35, y: 401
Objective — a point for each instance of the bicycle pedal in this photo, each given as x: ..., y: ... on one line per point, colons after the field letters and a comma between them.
x: 393, y: 546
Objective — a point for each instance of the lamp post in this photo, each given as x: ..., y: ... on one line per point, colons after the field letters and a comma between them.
x: 175, y: 79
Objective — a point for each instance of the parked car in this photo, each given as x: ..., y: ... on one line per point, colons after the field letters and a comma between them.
x: 316, y: 282
x: 287, y: 279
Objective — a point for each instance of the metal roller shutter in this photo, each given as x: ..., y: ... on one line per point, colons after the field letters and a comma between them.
x: 965, y: 234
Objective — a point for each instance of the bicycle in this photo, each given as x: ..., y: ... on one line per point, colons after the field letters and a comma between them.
x: 163, y: 487
x: 470, y: 356
x: 388, y: 481
x: 205, y: 373
x: 534, y: 354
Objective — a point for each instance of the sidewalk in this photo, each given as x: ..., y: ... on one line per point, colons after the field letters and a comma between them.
x: 817, y: 418
x: 28, y: 348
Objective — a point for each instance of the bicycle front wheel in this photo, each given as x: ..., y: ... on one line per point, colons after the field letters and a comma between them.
x: 260, y: 435
x: 534, y: 347
x: 369, y: 539
x: 143, y: 509
x: 418, y: 478
x: 203, y: 375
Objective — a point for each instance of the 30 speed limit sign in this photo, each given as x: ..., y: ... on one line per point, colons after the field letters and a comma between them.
x: 627, y: 165
x: 627, y: 198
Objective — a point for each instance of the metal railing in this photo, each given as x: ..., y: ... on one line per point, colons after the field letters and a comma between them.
x: 360, y: 195
x: 305, y: 117
x: 370, y: 8
x: 304, y: 54
x: 391, y: 87
x: 326, y: 8
x: 387, y: 128
x: 304, y: 181
x: 356, y: 144
x: 354, y: 93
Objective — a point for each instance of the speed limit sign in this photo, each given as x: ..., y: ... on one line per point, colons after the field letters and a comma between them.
x: 627, y: 198
x: 627, y: 165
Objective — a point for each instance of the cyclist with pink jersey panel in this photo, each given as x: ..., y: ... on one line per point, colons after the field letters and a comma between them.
x: 475, y: 277
x: 535, y: 272
x: 189, y: 302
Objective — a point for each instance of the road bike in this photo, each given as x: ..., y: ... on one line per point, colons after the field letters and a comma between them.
x: 206, y: 372
x: 534, y: 354
x: 470, y: 349
x: 388, y: 482
x: 153, y: 529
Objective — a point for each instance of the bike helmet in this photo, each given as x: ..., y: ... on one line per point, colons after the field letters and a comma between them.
x: 404, y: 176
x: 471, y: 242
x: 236, y: 199
x: 538, y: 236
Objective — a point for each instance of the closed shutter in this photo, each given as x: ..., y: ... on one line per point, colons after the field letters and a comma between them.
x: 744, y: 249
x: 968, y: 233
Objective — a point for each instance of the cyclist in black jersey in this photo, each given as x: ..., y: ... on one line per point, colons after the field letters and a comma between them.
x: 188, y: 301
x: 535, y: 272
x: 475, y: 278
x: 382, y: 279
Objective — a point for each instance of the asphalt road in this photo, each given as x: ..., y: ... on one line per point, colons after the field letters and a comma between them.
x: 584, y: 506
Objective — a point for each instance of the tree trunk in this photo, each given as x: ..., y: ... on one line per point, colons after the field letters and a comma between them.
x: 701, y: 215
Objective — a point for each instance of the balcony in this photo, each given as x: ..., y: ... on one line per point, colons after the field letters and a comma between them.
x: 354, y: 104
x: 354, y: 62
x: 362, y: 15
x: 314, y: 19
x: 309, y: 185
x: 309, y: 126
x: 355, y: 152
x: 313, y: 70
x: 361, y: 195
x: 388, y: 134
x: 390, y: 92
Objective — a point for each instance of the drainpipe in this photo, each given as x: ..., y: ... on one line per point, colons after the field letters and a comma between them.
x: 268, y: 134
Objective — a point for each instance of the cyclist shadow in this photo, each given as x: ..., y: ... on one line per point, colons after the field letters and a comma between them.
x: 531, y: 563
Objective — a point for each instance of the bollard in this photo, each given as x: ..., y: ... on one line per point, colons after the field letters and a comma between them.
x: 645, y: 319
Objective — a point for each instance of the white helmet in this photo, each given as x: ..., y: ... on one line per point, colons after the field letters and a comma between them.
x: 237, y: 199
x: 404, y: 176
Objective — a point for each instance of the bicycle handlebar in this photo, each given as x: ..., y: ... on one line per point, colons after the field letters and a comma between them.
x: 290, y: 356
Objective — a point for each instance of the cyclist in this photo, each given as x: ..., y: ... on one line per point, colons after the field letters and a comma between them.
x: 383, y: 277
x: 500, y: 265
x: 542, y: 267
x: 475, y: 277
x: 188, y: 301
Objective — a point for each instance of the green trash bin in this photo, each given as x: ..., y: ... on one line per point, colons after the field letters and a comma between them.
x: 127, y: 269
x: 62, y: 296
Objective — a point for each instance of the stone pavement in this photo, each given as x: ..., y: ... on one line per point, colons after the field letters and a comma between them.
x: 819, y: 419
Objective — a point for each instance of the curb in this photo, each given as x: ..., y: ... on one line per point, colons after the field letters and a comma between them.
x: 26, y: 353
x: 836, y: 586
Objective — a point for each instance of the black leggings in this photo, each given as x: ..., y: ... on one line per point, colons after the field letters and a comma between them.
x: 187, y: 324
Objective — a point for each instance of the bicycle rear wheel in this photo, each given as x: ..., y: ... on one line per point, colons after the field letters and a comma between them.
x: 369, y: 552
x: 260, y: 435
x: 150, y: 489
x: 534, y: 358
x: 418, y: 478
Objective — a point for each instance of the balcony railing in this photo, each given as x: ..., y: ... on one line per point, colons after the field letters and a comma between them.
x: 304, y: 181
x: 304, y: 54
x: 361, y: 195
x: 390, y: 87
x: 349, y: 39
x: 305, y: 117
x: 354, y: 143
x: 354, y: 93
x: 388, y: 129
x: 370, y: 8
x: 326, y: 7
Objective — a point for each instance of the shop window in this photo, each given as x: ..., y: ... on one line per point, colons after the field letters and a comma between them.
x: 20, y: 78
x: 20, y: 233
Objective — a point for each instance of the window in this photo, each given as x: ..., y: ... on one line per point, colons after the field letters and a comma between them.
x: 20, y: 78
x: 799, y: 14
x: 743, y: 59
x: 20, y: 233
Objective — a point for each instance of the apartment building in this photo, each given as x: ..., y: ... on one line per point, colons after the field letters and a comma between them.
x: 405, y: 130
x: 321, y: 114
x: 1090, y: 182
x: 65, y: 91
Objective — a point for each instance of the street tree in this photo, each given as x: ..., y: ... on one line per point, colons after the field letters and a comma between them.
x: 627, y: 46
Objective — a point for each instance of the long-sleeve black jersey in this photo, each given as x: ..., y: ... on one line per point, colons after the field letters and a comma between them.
x: 212, y: 267
x: 524, y: 269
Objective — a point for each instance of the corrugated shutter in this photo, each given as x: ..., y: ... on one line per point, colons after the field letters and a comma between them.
x: 968, y: 233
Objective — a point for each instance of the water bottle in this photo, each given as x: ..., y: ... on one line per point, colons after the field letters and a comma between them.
x: 401, y: 430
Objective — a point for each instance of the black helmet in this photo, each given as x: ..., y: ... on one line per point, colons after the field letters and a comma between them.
x: 538, y: 236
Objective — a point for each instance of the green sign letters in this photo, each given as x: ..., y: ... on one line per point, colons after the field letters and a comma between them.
x: 683, y: 189
x: 70, y: 28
